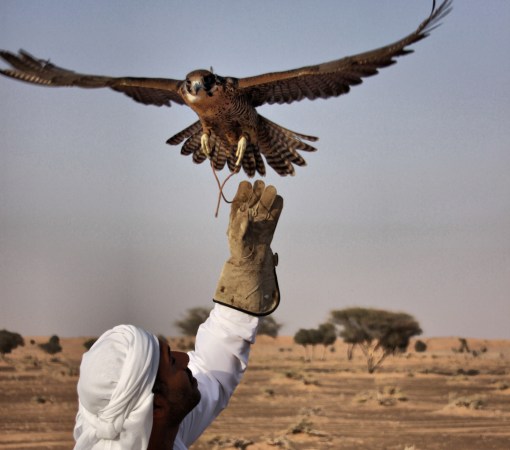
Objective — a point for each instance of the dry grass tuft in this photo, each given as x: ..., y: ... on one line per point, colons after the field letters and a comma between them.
x: 474, y: 402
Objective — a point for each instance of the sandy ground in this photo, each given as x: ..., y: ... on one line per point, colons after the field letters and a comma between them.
x: 433, y: 400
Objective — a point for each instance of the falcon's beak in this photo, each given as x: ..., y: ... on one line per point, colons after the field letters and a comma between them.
x: 196, y: 86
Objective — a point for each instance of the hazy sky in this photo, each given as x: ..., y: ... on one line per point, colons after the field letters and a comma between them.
x: 405, y: 206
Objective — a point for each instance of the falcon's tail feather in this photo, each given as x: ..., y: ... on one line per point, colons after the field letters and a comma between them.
x: 251, y: 163
x: 279, y: 146
x: 219, y: 153
x: 193, y: 146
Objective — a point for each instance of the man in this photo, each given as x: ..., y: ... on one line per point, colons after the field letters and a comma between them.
x: 135, y: 393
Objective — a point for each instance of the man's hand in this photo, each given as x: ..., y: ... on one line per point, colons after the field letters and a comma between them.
x: 248, y: 280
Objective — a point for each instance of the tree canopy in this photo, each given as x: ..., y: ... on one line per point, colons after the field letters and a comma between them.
x: 196, y: 316
x: 9, y: 341
x: 269, y: 326
x: 52, y: 346
x: 324, y: 335
x: 377, y: 332
x: 193, y: 319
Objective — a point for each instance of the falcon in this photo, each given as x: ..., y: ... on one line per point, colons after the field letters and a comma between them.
x: 229, y: 130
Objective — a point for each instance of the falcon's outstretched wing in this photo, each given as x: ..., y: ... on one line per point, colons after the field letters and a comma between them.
x: 333, y: 78
x: 150, y: 91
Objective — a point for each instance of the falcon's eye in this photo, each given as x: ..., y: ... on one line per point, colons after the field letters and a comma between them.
x: 209, y: 81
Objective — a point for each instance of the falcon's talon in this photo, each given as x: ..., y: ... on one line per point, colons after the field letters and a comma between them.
x: 241, y: 149
x: 204, y: 144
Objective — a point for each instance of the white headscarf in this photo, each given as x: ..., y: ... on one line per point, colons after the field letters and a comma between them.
x: 115, y: 391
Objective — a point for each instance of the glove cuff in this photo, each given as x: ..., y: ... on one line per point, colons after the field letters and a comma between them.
x: 249, y: 286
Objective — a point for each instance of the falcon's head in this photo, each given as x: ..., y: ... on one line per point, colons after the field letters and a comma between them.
x: 201, y: 84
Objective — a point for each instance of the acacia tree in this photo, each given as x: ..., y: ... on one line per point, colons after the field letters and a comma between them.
x: 376, y: 332
x: 327, y: 332
x: 325, y: 335
x: 196, y: 316
x: 193, y: 319
x: 315, y: 339
x: 269, y: 326
x: 302, y: 337
x: 9, y: 341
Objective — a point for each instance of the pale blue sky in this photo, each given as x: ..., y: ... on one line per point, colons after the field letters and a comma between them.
x: 405, y: 206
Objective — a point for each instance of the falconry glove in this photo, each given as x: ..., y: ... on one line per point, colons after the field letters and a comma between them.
x: 248, y: 280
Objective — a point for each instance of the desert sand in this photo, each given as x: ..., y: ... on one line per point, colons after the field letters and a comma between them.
x: 438, y: 399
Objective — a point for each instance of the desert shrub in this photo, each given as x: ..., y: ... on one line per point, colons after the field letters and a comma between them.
x: 281, y: 442
x: 269, y: 392
x: 293, y: 375
x: 363, y: 397
x: 311, y: 382
x: 40, y: 399
x: 72, y: 371
x: 390, y: 395
x: 502, y: 385
x: 89, y: 343
x: 307, y: 381
x: 224, y: 442
x: 468, y: 372
x: 384, y: 396
x: 467, y: 401
x: 310, y: 411
x: 302, y: 426
x: 420, y: 346
x: 9, y: 341
x: 52, y: 346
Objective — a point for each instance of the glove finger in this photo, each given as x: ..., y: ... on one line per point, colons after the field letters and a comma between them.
x: 266, y: 201
x: 243, y: 194
x: 258, y: 189
x: 276, y: 208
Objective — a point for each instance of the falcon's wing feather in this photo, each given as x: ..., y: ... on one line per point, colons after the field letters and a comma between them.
x: 334, y: 78
x: 150, y: 91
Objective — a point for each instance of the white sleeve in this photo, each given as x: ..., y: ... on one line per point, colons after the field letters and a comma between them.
x: 220, y: 358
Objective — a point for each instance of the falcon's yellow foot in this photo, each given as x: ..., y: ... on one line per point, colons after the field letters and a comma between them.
x: 241, y: 148
x: 204, y: 144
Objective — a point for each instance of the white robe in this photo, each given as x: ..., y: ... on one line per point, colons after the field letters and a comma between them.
x: 218, y: 362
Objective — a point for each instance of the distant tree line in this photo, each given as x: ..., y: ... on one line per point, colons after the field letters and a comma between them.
x: 10, y: 340
x: 376, y: 332
x: 194, y: 317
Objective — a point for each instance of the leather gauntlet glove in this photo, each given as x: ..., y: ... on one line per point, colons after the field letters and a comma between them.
x: 248, y: 280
